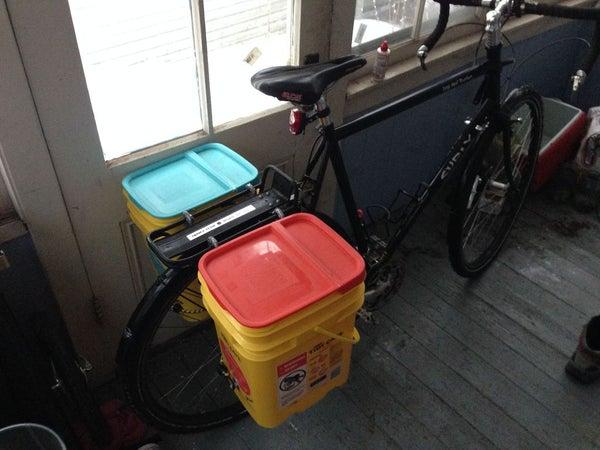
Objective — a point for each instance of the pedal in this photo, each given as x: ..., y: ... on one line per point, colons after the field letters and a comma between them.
x: 492, y: 200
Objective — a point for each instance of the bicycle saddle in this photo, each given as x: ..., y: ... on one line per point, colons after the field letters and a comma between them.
x: 304, y: 84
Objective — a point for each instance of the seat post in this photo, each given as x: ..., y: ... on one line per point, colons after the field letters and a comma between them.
x: 323, y: 112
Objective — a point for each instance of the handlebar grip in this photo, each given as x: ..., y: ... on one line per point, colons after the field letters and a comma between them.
x: 434, y: 37
x: 565, y: 12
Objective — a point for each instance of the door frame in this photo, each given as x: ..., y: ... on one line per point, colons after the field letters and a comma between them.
x: 92, y: 206
x: 28, y: 169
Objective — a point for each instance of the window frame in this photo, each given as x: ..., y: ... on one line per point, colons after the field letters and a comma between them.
x: 330, y: 36
x: 409, y: 34
x: 407, y: 49
x: 207, y: 128
x: 202, y: 64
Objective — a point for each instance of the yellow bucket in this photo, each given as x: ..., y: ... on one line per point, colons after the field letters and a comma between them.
x: 191, y: 306
x: 145, y: 222
x: 288, y: 367
x: 284, y: 300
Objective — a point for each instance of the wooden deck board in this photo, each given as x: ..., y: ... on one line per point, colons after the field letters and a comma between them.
x: 451, y: 363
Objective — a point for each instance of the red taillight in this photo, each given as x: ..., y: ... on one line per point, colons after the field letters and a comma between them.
x: 297, y: 121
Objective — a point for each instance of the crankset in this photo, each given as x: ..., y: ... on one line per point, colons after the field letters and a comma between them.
x: 387, y: 281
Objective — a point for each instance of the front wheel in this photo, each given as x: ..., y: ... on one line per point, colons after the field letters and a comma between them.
x: 494, y: 184
x: 170, y: 362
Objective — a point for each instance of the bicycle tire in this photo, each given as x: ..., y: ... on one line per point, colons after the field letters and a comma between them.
x: 485, y: 191
x: 137, y: 373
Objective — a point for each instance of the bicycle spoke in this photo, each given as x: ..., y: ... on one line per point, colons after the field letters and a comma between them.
x: 189, y: 379
x: 192, y: 400
x: 480, y: 224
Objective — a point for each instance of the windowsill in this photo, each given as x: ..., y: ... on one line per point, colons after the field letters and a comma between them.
x: 166, y: 149
x: 363, y: 92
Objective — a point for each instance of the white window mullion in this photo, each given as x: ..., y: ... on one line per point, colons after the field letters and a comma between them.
x: 416, y: 31
x: 199, y: 26
x: 293, y: 30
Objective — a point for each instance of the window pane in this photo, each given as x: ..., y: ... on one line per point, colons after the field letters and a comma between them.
x: 458, y: 14
x: 375, y: 19
x: 140, y: 68
x: 243, y: 37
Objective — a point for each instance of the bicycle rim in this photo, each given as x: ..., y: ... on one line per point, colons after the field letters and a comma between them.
x: 489, y: 200
x: 176, y: 379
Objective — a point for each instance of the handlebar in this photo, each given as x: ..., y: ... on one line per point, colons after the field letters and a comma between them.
x: 565, y: 12
x: 518, y: 8
x: 434, y: 37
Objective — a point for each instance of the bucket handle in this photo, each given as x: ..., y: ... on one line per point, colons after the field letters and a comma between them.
x: 353, y: 340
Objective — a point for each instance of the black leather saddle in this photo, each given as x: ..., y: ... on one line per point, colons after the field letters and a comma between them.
x: 304, y: 84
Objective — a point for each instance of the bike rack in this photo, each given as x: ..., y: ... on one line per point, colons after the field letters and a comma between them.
x: 181, y: 244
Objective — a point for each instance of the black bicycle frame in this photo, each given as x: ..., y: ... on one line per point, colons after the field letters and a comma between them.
x: 329, y: 149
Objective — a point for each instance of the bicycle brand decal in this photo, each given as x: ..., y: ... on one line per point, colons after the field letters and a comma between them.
x: 309, y: 370
x: 292, y: 97
x: 456, y: 158
x: 457, y: 83
x: 225, y: 220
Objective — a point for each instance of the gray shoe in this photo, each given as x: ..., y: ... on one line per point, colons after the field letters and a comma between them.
x: 584, y: 365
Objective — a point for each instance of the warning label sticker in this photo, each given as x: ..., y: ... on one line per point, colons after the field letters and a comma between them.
x: 309, y: 370
x: 291, y: 379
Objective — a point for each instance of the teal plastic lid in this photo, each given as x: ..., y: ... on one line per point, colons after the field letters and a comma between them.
x: 188, y: 180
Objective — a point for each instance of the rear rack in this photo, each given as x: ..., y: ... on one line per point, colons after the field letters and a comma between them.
x: 183, y: 243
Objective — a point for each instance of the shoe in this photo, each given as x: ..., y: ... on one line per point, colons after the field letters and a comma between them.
x: 584, y: 365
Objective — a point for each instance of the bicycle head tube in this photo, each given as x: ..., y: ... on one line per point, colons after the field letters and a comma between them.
x: 494, y: 20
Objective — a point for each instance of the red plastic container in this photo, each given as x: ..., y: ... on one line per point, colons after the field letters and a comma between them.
x: 279, y: 269
x: 564, y: 126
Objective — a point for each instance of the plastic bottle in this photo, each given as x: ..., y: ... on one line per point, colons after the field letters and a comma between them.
x: 381, y: 63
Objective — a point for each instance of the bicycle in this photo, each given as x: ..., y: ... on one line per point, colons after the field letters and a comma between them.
x: 490, y: 165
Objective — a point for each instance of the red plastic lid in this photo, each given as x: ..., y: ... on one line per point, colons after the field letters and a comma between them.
x: 276, y: 270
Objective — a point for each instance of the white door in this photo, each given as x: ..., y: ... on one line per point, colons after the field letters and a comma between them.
x: 155, y: 101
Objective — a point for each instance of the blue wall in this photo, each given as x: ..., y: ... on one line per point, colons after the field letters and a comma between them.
x: 408, y: 148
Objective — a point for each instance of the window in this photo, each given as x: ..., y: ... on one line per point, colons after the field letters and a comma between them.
x: 161, y: 69
x: 397, y: 21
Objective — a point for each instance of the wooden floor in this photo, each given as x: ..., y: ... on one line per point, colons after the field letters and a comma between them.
x: 458, y: 364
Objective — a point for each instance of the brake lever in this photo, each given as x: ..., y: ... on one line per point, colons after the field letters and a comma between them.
x: 578, y: 80
x: 422, y: 54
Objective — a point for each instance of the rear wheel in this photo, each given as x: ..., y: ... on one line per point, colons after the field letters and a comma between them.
x: 170, y: 362
x: 494, y: 185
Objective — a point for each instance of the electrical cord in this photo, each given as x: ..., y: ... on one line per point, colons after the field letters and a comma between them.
x: 537, y: 52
